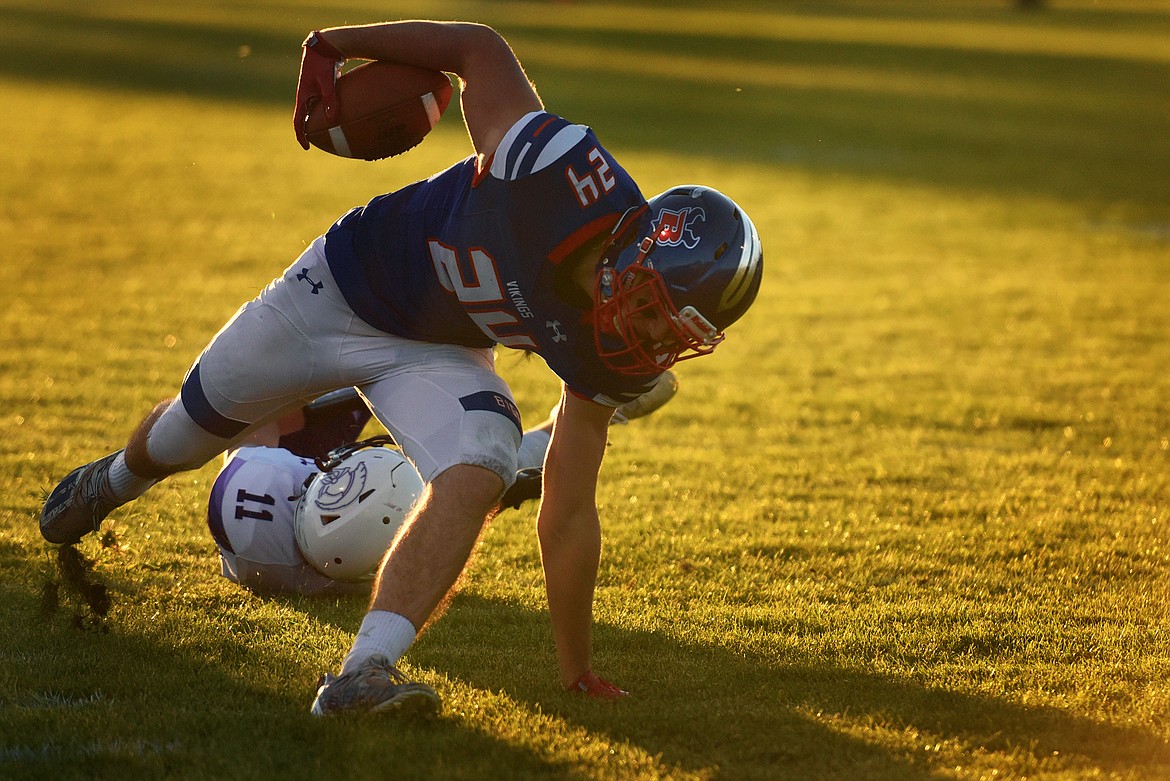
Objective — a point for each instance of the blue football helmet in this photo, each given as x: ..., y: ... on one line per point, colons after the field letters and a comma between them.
x: 677, y: 271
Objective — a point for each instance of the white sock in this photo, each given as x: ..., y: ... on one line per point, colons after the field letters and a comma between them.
x: 382, y: 632
x: 124, y: 484
x: 532, y: 449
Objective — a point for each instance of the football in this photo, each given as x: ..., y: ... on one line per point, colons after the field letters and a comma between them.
x: 384, y: 109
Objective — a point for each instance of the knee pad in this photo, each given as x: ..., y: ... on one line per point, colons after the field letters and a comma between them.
x: 481, y: 429
x: 491, y: 441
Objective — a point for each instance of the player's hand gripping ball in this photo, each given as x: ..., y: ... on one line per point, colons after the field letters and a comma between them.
x: 382, y: 110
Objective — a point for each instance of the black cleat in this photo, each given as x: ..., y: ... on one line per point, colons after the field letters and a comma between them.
x: 79, y: 503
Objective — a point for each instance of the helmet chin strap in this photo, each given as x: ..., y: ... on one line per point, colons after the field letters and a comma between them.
x: 337, y: 455
x: 605, y: 284
x: 606, y: 275
x: 697, y: 326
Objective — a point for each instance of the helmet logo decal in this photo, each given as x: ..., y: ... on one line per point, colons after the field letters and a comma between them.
x: 341, y: 487
x: 354, y: 507
x: 673, y: 228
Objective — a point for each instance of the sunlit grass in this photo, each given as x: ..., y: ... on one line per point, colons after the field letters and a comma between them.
x: 909, y: 522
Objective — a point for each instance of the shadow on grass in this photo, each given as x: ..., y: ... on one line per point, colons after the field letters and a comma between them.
x: 156, y: 56
x: 78, y: 704
x: 185, y: 703
x: 1031, y: 123
x: 702, y: 707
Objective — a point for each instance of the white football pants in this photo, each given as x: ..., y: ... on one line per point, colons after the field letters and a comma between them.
x: 444, y: 404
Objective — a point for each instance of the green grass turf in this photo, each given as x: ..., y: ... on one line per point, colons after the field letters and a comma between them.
x: 909, y: 522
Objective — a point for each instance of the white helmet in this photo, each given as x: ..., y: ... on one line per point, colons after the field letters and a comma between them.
x: 353, y: 507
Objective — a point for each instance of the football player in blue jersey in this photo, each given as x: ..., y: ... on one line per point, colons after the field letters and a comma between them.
x: 538, y: 241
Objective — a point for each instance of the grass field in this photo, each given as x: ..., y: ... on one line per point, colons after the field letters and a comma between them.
x: 912, y: 521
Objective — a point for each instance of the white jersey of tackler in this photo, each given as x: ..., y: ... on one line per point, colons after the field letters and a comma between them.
x: 250, y: 514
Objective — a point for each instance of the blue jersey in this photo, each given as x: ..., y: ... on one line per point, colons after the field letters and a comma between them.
x: 471, y: 257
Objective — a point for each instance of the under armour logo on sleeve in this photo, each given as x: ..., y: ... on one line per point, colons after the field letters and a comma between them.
x: 304, y: 276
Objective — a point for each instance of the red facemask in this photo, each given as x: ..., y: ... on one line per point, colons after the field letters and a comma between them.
x: 637, y: 328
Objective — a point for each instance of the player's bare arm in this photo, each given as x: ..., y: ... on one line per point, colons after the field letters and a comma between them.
x: 570, y: 531
x: 495, y: 90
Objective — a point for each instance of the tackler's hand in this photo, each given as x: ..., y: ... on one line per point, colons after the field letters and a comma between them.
x: 593, y: 685
x: 527, y: 486
x: 320, y: 65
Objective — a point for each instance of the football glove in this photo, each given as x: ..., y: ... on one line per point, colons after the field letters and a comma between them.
x: 320, y: 65
x: 594, y: 686
x: 526, y: 488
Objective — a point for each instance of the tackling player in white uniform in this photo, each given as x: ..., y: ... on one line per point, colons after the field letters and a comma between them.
x: 261, y: 508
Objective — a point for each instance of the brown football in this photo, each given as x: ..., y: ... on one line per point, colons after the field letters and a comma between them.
x: 384, y: 108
